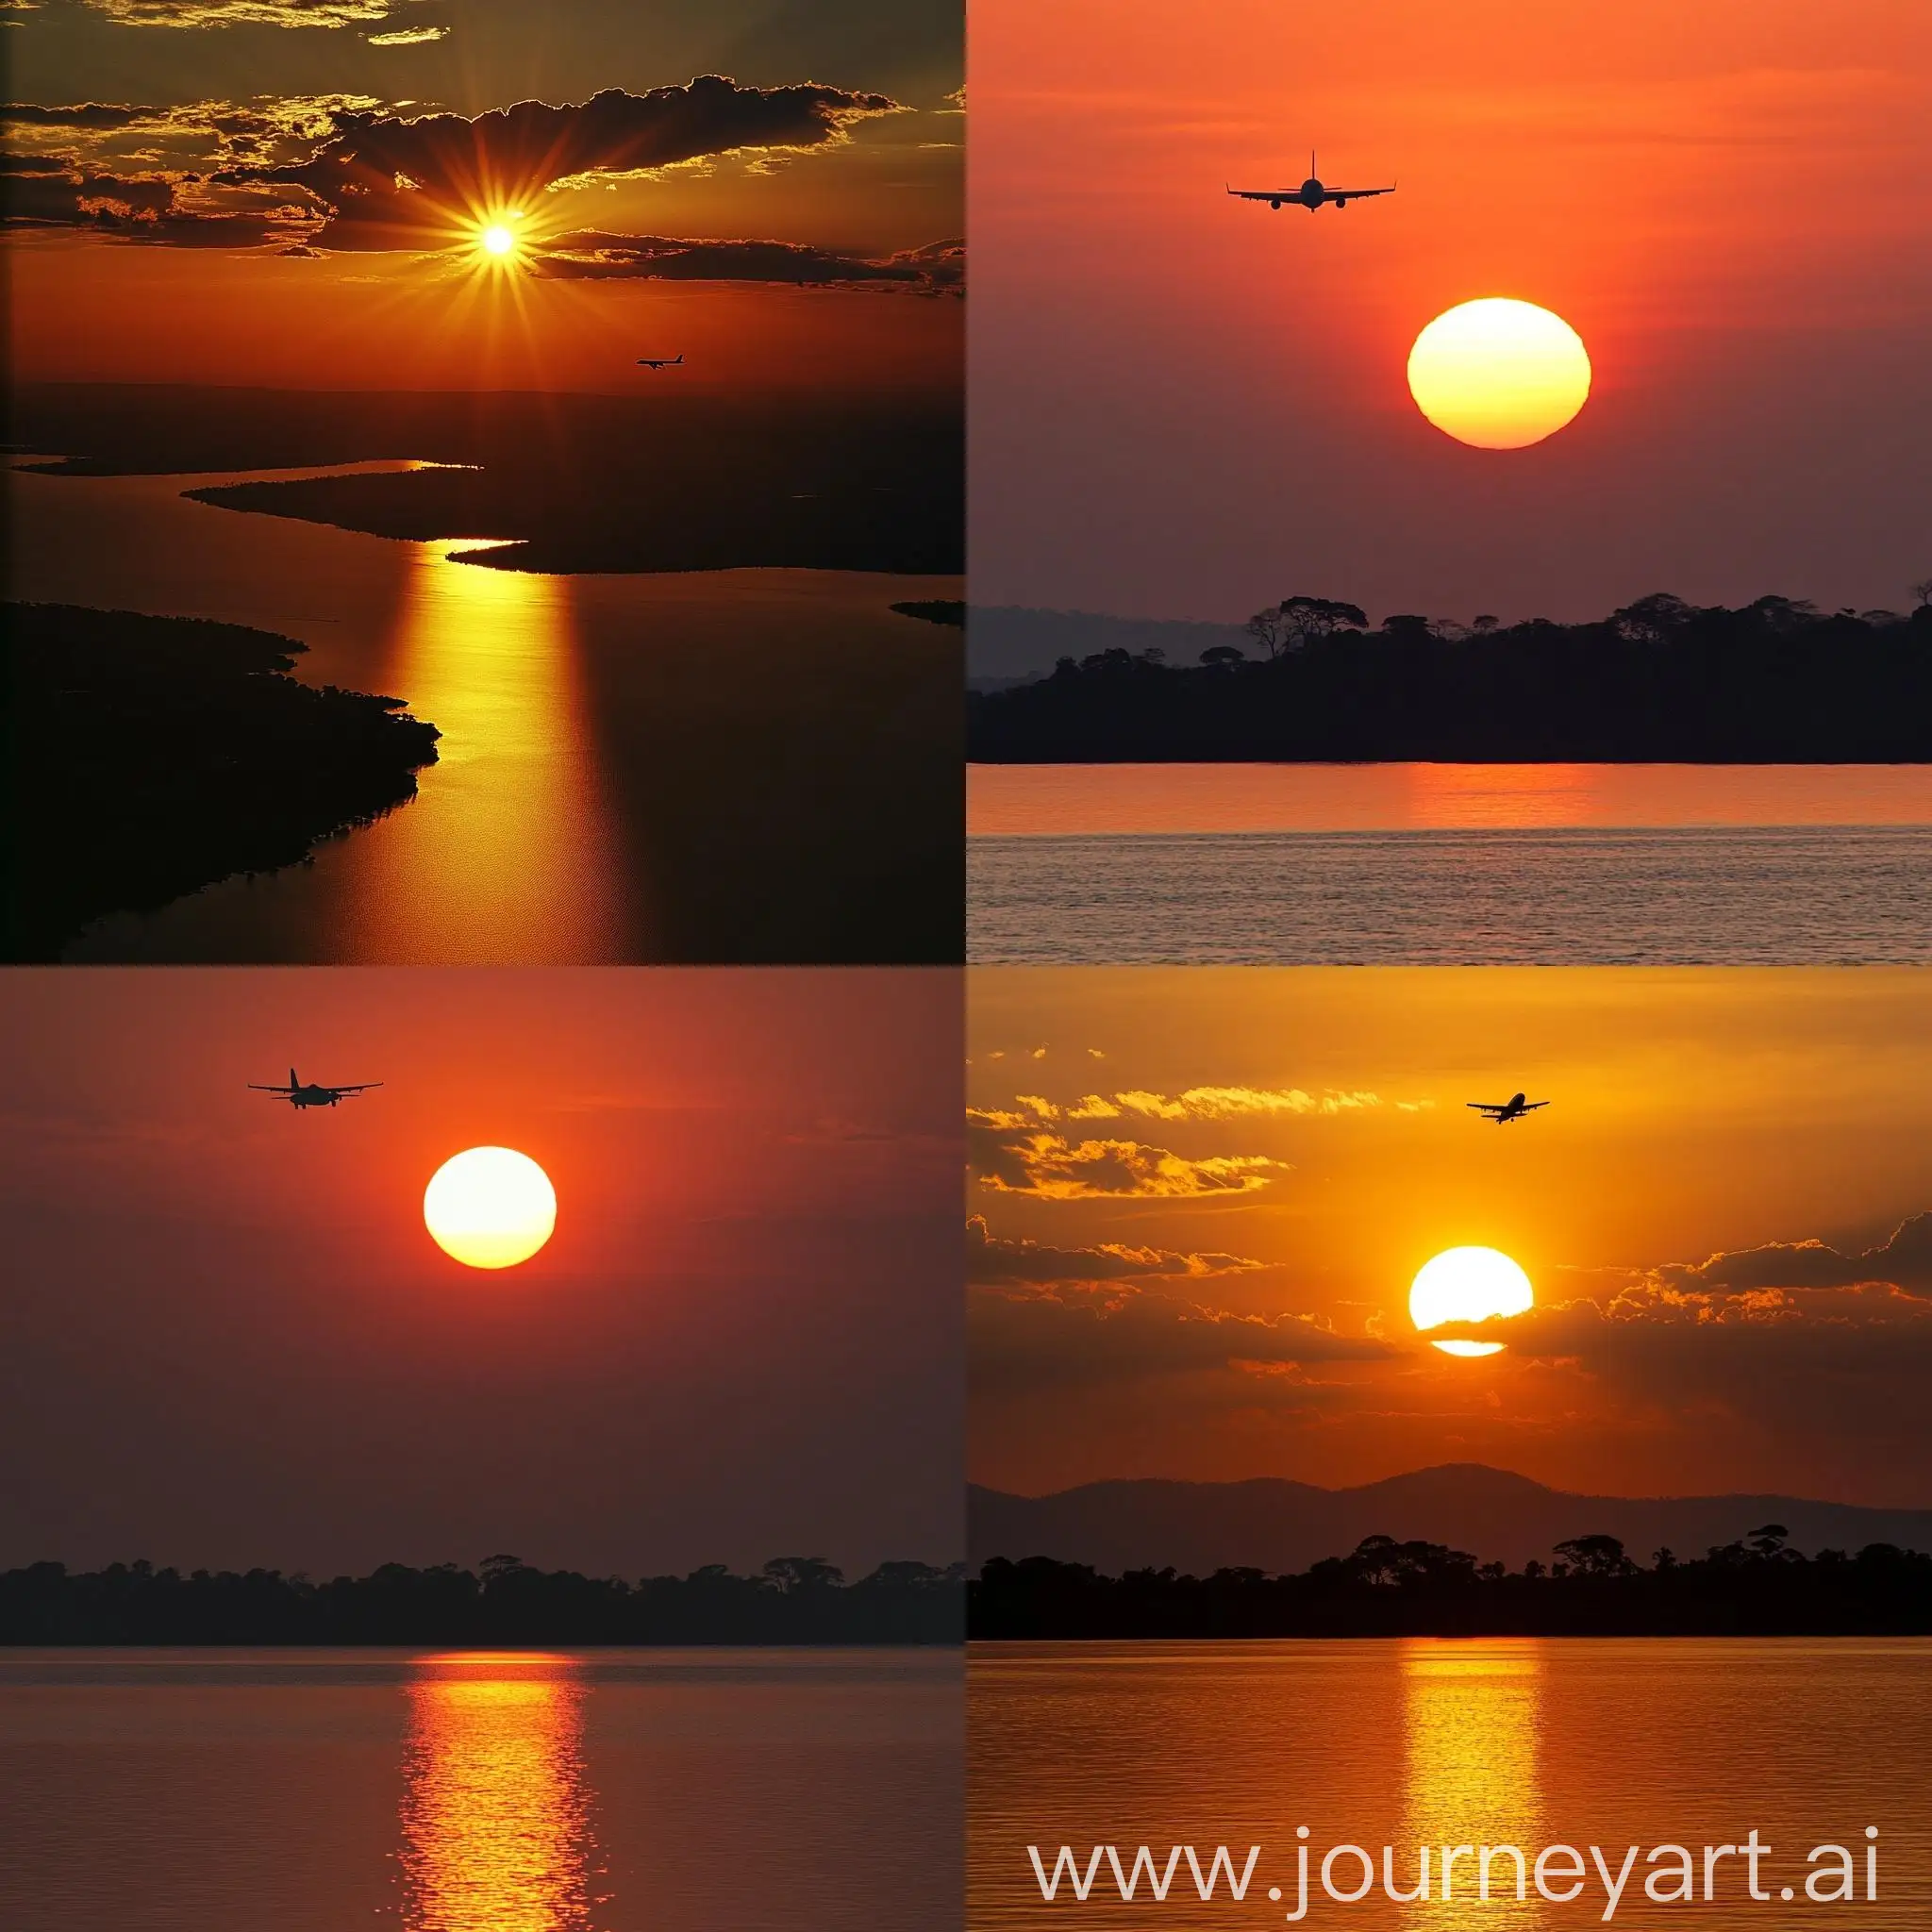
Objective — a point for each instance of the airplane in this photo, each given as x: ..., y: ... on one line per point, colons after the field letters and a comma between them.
x: 299, y: 1096
x: 1310, y: 195
x: 1504, y: 1112
x: 675, y: 361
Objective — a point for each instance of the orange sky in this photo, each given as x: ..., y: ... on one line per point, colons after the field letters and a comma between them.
x: 1184, y: 405
x: 219, y: 107
x: 403, y: 321
x: 1192, y: 1147
x: 230, y: 1340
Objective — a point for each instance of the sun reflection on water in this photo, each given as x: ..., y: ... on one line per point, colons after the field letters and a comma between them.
x: 496, y: 1830
x: 1473, y: 1722
x: 1515, y: 797
x: 510, y: 854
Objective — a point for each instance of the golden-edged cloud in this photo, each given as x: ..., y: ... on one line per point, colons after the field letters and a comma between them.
x: 242, y: 12
x: 328, y: 172
x: 591, y: 256
x: 1012, y: 1155
x: 1238, y: 1103
x: 1073, y: 1335
x: 209, y: 14
x: 388, y: 182
x: 994, y: 1260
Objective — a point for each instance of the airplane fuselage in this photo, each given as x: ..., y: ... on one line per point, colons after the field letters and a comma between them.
x: 1310, y: 196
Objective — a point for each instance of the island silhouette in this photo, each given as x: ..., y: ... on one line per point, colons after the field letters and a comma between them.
x: 1774, y: 681
x: 150, y: 757
x: 504, y: 1604
x: 691, y: 481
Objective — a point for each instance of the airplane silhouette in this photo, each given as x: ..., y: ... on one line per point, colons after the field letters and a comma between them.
x: 1504, y: 1112
x: 1310, y: 195
x: 299, y: 1096
x: 675, y: 361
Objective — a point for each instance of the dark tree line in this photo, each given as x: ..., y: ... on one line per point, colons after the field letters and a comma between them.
x: 1776, y: 681
x: 1758, y: 1586
x: 504, y: 1604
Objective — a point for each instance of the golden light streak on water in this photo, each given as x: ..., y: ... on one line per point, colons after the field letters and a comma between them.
x: 509, y: 853
x: 496, y: 1829
x: 1473, y: 1733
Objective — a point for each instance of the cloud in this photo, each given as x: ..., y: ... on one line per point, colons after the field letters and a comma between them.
x: 207, y: 13
x: 591, y: 256
x: 1071, y: 1336
x: 86, y: 114
x: 67, y: 198
x: 1905, y: 1259
x: 389, y: 182
x: 1203, y: 1104
x: 995, y: 1260
x: 1233, y: 1103
x: 408, y: 37
x: 1012, y: 1160
x: 345, y: 172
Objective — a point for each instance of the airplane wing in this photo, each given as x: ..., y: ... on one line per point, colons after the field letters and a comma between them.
x: 364, y: 1087
x: 254, y: 1088
x: 1487, y: 1105
x: 1355, y: 193
x: 1265, y: 193
x: 1531, y: 1106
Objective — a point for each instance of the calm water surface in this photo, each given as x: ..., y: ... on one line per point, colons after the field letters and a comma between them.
x: 1818, y: 894
x: 516, y: 850
x: 608, y: 1792
x: 1524, y: 1741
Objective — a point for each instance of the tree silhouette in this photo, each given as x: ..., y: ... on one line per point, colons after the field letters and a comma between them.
x: 1296, y: 622
x: 1757, y: 1584
x: 1595, y: 1555
x: 1774, y: 681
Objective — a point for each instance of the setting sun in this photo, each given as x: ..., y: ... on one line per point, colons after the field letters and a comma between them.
x: 489, y: 1208
x: 1468, y: 1285
x: 1499, y: 373
x: 499, y: 239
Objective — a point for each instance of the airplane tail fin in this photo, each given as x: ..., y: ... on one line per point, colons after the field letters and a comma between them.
x: 293, y: 1083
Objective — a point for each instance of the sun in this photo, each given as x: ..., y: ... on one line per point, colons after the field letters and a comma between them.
x: 490, y: 1206
x: 1499, y: 373
x: 1468, y: 1285
x: 497, y: 235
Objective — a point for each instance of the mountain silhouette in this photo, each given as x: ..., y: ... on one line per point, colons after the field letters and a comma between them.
x: 1281, y: 1526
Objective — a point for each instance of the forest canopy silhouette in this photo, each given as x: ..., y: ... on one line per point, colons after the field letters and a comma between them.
x: 1776, y: 681
x: 503, y: 1603
x: 1757, y: 1585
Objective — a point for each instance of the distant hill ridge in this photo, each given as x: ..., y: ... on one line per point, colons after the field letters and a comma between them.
x: 1011, y: 643
x: 1270, y: 1523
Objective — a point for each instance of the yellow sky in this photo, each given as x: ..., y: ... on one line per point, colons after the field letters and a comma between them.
x: 1319, y: 1140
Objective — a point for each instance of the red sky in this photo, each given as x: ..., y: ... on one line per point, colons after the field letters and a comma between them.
x: 1185, y: 406
x: 228, y: 1339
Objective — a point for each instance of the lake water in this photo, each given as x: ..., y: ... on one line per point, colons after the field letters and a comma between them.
x: 1742, y: 895
x: 1450, y: 864
x: 562, y: 824
x: 608, y: 1792
x: 1523, y: 1741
